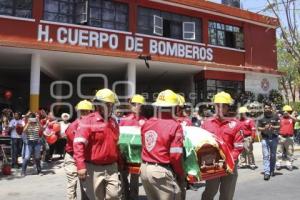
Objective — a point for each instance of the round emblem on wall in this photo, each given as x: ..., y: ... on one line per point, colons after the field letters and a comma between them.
x: 265, y: 84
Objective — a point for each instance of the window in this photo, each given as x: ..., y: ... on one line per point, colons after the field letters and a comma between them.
x: 158, y: 25
x: 99, y: 13
x: 208, y: 88
x: 81, y: 12
x: 189, y: 30
x: 18, y: 8
x: 170, y: 25
x: 59, y: 10
x: 225, y: 35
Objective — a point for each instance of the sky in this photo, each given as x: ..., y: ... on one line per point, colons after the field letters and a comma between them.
x: 259, y: 5
x: 253, y: 5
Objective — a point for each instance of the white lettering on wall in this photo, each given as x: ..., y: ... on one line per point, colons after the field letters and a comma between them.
x: 43, y: 33
x: 99, y: 39
x: 62, y: 35
x: 153, y: 46
x: 83, y: 38
x: 113, y: 41
x: 129, y: 43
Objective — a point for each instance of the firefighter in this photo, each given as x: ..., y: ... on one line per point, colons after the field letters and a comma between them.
x: 96, y: 149
x: 84, y: 108
x: 228, y: 130
x: 249, y: 130
x: 133, y: 119
x: 286, y: 133
x: 162, y: 150
x: 181, y: 117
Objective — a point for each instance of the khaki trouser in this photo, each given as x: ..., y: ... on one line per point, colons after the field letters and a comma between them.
x: 130, y: 189
x: 102, y: 182
x: 226, y: 184
x: 285, y: 144
x: 159, y: 182
x: 247, y: 156
x: 72, y: 178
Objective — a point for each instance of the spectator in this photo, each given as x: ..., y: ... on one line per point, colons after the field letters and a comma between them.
x: 62, y: 141
x: 297, y: 129
x: 269, y: 127
x: 48, y: 126
x: 4, y: 125
x: 16, y: 140
x: 33, y: 143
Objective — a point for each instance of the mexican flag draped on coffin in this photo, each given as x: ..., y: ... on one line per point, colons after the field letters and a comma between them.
x: 197, y: 164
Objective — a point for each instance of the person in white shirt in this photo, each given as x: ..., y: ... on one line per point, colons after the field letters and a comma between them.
x: 15, y: 128
x: 62, y: 141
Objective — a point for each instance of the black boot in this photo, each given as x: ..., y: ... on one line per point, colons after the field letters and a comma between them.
x: 38, y: 166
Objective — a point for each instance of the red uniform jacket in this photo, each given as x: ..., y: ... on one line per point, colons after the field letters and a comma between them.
x: 162, y: 142
x: 185, y: 121
x: 248, y: 126
x: 70, y: 133
x: 286, y: 126
x: 132, y: 120
x: 96, y: 141
x: 230, y: 131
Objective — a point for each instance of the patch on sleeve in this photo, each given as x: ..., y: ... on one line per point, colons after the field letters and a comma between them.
x: 150, y: 140
x: 232, y: 124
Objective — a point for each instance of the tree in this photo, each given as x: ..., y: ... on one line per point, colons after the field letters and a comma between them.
x: 287, y: 13
x: 288, y: 45
x: 290, y: 79
x: 276, y: 98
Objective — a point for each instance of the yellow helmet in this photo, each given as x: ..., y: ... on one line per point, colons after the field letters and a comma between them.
x: 138, y: 99
x: 166, y: 98
x: 181, y: 100
x: 106, y: 95
x: 243, y: 110
x: 84, y: 105
x: 223, y: 97
x: 287, y: 108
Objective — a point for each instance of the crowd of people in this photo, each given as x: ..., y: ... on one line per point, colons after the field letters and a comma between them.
x: 29, y: 137
x: 92, y: 158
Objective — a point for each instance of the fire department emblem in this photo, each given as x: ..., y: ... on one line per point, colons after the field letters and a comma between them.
x: 265, y: 84
x: 150, y: 140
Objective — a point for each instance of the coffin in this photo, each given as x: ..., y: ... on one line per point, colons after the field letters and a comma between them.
x: 205, y: 156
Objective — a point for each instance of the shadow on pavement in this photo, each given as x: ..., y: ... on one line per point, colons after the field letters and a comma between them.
x: 47, y: 168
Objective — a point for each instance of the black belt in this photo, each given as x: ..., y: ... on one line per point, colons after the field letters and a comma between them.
x: 157, y: 164
x: 286, y: 136
x: 90, y: 162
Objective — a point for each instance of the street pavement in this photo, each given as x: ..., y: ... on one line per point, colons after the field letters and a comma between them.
x: 250, y: 186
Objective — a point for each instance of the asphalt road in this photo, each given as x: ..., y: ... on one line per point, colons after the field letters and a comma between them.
x: 251, y: 186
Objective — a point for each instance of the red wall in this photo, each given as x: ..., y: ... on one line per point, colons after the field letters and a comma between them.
x: 260, y: 44
x: 220, y: 75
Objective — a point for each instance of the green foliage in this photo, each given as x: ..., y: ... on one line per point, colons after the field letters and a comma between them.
x: 295, y: 106
x: 262, y: 98
x: 276, y: 98
x: 245, y: 97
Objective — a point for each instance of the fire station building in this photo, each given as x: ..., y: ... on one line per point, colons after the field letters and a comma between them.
x: 64, y: 50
